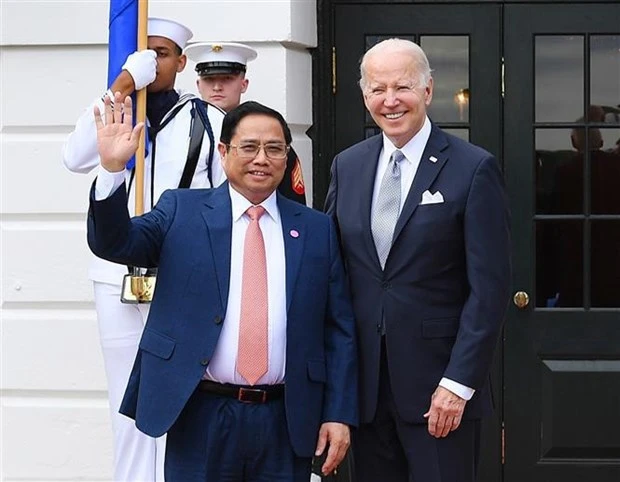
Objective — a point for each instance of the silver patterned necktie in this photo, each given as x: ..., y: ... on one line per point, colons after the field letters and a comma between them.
x: 387, y: 208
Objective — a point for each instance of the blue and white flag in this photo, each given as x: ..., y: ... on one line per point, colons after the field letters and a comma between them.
x: 122, y: 35
x: 122, y: 41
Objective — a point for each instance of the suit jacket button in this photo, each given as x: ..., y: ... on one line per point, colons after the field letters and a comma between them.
x: 385, y: 285
x: 204, y: 362
x: 218, y: 319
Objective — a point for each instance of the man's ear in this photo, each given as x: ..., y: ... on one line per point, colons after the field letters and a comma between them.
x: 244, y: 85
x: 365, y: 97
x: 182, y: 63
x: 221, y: 148
x: 428, y: 92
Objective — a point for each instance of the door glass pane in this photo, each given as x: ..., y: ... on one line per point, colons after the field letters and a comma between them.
x: 611, y: 140
x: 605, y: 260
x: 461, y: 133
x: 605, y: 173
x: 559, y: 78
x: 559, y: 176
x: 449, y: 59
x: 605, y: 72
x: 559, y: 264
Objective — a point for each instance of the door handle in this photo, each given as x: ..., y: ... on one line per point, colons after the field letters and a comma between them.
x: 521, y: 299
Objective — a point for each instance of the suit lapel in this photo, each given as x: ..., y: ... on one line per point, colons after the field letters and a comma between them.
x: 217, y: 215
x: 294, y: 232
x: 367, y: 173
x: 428, y: 170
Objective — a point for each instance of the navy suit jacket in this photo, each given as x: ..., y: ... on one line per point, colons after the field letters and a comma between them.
x: 188, y: 237
x: 445, y: 286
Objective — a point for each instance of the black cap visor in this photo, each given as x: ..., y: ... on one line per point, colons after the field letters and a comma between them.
x: 205, y: 69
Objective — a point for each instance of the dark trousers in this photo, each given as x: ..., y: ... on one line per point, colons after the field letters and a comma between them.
x: 218, y: 439
x: 391, y: 450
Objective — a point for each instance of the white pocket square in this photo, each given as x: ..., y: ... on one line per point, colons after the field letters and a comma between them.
x: 428, y: 198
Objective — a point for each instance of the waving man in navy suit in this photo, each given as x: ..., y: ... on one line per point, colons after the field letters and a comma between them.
x: 423, y: 222
x: 248, y: 357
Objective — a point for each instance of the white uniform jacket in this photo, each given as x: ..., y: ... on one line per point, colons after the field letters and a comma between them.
x: 172, y: 143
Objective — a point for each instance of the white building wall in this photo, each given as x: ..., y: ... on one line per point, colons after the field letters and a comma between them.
x: 54, y: 413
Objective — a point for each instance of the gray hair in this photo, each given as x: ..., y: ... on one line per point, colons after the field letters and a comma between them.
x: 418, y: 57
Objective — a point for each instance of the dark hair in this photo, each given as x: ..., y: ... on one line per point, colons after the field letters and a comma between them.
x: 232, y: 119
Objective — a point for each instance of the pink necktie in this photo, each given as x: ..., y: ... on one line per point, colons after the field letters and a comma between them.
x: 252, y: 355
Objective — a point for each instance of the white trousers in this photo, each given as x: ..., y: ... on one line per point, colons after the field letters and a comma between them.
x: 137, y: 457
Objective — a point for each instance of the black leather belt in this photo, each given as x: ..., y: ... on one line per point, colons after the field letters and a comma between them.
x: 255, y: 394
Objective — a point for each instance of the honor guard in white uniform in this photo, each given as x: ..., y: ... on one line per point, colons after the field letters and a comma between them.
x: 221, y: 69
x: 183, y: 132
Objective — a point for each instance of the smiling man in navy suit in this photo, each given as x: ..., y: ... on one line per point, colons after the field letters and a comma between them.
x: 248, y: 357
x: 424, y: 229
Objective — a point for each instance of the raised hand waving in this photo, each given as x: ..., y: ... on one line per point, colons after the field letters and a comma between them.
x: 117, y: 139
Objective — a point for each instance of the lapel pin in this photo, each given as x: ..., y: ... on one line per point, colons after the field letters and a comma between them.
x: 294, y: 233
x: 433, y: 159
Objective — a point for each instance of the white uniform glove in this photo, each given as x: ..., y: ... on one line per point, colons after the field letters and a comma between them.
x: 142, y: 66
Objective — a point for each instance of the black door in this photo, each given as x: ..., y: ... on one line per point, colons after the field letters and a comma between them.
x: 464, y: 52
x: 562, y: 166
x: 539, y: 86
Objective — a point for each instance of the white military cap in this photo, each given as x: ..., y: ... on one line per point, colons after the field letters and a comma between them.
x: 220, y: 58
x: 161, y: 27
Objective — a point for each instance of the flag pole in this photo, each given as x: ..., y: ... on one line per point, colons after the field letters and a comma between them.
x: 141, y: 110
x: 138, y: 288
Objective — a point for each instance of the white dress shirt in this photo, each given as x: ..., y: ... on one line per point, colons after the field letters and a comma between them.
x: 223, y: 366
x: 108, y: 182
x: 413, y: 151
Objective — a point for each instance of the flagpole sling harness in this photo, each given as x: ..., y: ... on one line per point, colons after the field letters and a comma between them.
x: 139, y: 284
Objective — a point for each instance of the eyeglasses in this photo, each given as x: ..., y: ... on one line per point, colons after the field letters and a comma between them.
x: 275, y: 151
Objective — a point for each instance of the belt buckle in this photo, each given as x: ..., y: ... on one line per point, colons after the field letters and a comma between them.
x: 252, y: 395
